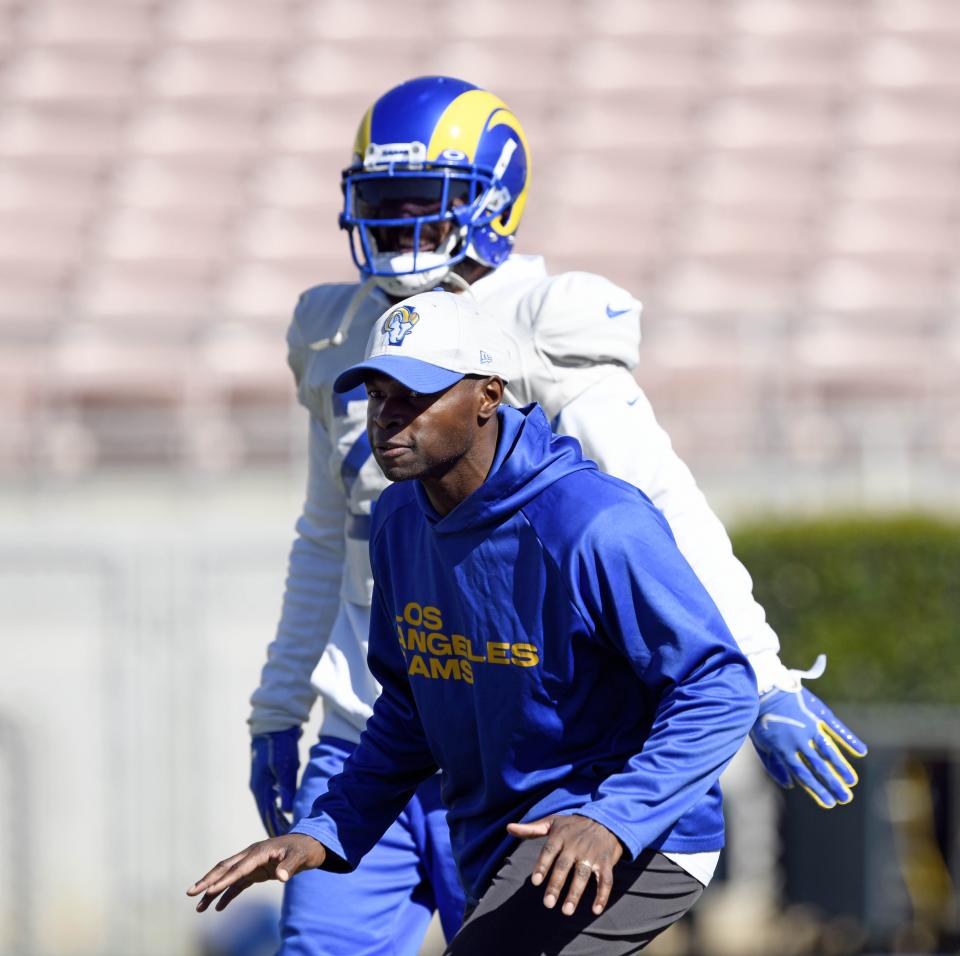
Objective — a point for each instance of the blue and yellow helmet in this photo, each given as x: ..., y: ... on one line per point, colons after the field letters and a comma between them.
x: 432, y: 151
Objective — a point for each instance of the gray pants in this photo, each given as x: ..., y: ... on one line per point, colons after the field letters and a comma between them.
x: 649, y: 894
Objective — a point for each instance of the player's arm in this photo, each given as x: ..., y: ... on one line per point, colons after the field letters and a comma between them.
x: 283, y: 700
x: 801, y: 741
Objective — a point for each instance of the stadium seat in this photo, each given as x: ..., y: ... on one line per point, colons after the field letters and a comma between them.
x: 273, y: 233
x: 730, y: 233
x: 317, y: 126
x: 173, y: 291
x: 699, y: 287
x: 655, y: 68
x: 678, y: 19
x: 904, y: 120
x: 324, y: 70
x: 34, y: 299
x: 57, y: 186
x: 534, y: 20
x: 344, y: 20
x: 209, y: 130
x: 807, y: 127
x: 230, y: 22
x: 188, y: 73
x: 797, y: 17
x: 94, y: 74
x: 265, y: 291
x: 507, y: 64
x: 922, y: 65
x: 52, y: 237
x: 191, y: 236
x: 298, y: 182
x: 892, y: 232
x: 204, y: 183
x: 126, y: 24
x: 861, y: 286
x: 918, y: 17
x: 789, y: 66
x: 623, y: 125
x: 794, y: 185
x: 915, y: 177
x: 60, y: 131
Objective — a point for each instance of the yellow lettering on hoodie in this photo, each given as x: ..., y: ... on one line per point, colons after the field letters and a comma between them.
x: 432, y: 619
x: 524, y: 655
x: 445, y: 669
x: 417, y: 666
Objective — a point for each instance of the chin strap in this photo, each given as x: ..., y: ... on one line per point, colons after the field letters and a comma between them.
x: 353, y: 306
x: 452, y: 278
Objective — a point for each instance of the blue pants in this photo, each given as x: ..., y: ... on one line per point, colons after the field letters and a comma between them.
x: 384, y: 906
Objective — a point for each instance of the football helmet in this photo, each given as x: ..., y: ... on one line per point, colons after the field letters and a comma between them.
x: 439, y: 174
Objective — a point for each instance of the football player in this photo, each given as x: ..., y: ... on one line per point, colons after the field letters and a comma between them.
x: 433, y: 198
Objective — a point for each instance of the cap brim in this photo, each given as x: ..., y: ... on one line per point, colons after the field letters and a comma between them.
x: 416, y: 375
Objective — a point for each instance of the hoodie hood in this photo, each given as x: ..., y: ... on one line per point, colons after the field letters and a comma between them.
x: 529, y: 458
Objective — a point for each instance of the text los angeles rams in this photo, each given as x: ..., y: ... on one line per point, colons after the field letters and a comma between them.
x: 432, y: 653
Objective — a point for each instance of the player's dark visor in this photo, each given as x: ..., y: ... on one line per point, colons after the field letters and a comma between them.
x: 385, y: 197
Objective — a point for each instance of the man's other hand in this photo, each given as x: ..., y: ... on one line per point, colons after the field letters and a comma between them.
x: 276, y: 859
x: 573, y: 843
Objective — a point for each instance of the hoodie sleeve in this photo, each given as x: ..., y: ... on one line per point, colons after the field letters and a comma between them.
x: 390, y: 761
x: 640, y: 596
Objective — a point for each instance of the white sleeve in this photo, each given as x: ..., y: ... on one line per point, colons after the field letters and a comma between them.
x: 310, y: 601
x: 616, y: 426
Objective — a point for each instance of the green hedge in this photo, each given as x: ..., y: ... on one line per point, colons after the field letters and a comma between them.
x: 881, y: 596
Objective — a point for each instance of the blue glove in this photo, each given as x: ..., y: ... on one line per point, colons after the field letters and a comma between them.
x: 797, y: 738
x: 274, y: 761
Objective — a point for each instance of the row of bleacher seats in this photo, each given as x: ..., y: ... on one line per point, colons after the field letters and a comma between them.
x: 107, y: 74
x: 224, y: 398
x: 139, y: 22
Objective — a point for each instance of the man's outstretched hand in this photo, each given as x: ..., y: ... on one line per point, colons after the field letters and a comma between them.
x: 276, y: 859
x: 573, y: 843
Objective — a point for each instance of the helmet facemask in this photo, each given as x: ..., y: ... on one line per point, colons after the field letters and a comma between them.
x: 409, y: 226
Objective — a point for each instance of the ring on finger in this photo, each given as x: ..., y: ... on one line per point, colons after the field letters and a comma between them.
x: 585, y: 863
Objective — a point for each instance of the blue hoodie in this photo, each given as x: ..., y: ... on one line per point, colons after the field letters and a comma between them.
x: 546, y: 645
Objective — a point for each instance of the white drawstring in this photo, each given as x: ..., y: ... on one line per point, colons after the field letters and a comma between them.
x: 353, y: 306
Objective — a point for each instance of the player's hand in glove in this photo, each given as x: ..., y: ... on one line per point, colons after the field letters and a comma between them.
x: 274, y: 761
x: 800, y: 741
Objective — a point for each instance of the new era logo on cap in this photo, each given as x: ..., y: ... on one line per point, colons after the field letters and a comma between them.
x: 432, y: 340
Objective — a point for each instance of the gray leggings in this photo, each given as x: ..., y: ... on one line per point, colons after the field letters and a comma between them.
x: 649, y: 894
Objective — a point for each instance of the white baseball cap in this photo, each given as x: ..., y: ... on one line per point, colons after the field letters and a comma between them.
x: 430, y: 341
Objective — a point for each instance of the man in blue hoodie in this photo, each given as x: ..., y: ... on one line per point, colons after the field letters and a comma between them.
x: 571, y: 679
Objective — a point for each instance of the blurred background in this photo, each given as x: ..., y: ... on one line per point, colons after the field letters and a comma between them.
x: 778, y: 180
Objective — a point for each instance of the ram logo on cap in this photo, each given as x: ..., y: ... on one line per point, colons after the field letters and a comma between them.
x: 399, y: 324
